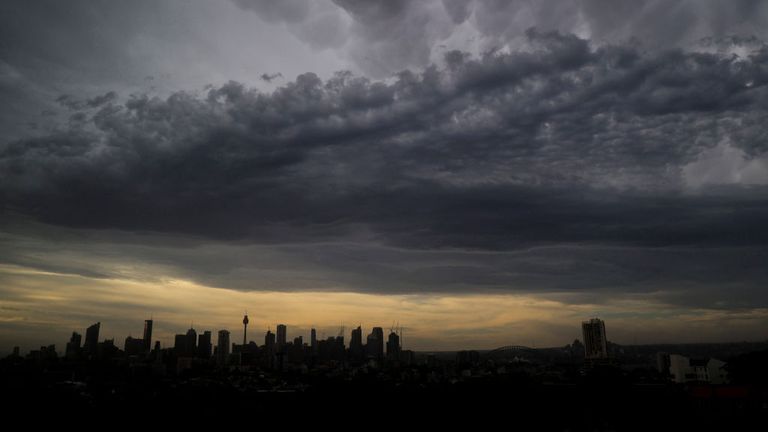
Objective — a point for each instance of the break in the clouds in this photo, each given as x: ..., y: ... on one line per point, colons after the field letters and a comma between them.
x: 560, y: 149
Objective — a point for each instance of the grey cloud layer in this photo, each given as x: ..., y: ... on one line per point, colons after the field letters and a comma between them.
x: 561, y: 144
x: 385, y: 36
x: 706, y: 277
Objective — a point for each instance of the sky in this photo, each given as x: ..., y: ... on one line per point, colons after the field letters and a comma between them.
x: 480, y: 173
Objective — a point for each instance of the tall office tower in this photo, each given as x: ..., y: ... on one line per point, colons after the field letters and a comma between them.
x: 245, y: 328
x: 204, y: 347
x: 375, y: 344
x: 147, y: 335
x: 313, y: 341
x: 222, y: 347
x: 190, y: 347
x: 282, y: 336
x: 393, y: 347
x: 73, y: 346
x: 595, y: 343
x: 356, y: 344
x: 92, y: 339
x: 180, y: 344
x: 269, y: 340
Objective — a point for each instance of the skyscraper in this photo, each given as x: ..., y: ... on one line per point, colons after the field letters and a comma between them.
x: 375, y: 344
x: 204, y: 345
x: 222, y: 347
x: 393, y: 347
x: 180, y: 344
x: 595, y: 343
x: 73, y: 346
x: 92, y: 339
x: 313, y: 341
x: 356, y: 344
x: 269, y: 341
x: 190, y: 347
x: 282, y: 336
x: 147, y: 335
x: 245, y: 328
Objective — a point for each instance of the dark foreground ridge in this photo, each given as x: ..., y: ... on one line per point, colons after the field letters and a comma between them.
x: 596, y: 385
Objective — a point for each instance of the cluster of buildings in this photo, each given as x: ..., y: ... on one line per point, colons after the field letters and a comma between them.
x: 683, y: 370
x: 92, y: 349
x: 191, y: 349
x: 676, y: 367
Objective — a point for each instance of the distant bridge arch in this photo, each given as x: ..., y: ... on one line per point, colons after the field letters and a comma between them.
x: 509, y: 350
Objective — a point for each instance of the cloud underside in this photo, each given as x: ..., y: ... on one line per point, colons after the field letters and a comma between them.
x: 564, y: 165
x: 382, y: 36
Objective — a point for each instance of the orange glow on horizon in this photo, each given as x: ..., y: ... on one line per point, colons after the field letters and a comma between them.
x: 53, y: 305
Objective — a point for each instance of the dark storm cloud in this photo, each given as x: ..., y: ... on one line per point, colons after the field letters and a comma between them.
x: 708, y: 277
x: 658, y: 23
x: 562, y: 144
x: 390, y: 35
x: 664, y: 21
x: 73, y: 103
x: 387, y: 36
x: 270, y: 77
x: 384, y: 36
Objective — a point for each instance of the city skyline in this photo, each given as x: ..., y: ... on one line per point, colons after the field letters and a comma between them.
x: 592, y: 334
x: 483, y: 172
x: 378, y: 344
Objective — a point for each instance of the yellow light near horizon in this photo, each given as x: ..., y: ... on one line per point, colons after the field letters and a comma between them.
x: 43, y: 301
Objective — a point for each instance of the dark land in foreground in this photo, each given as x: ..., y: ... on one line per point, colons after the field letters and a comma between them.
x: 523, y: 388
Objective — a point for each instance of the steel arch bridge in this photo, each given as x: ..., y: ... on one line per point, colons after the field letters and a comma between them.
x: 509, y: 350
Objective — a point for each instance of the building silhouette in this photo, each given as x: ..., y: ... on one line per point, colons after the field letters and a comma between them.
x: 595, y: 343
x: 204, y: 346
x: 282, y: 337
x: 180, y: 344
x: 147, y: 335
x: 222, y: 347
x: 374, y: 346
x: 107, y: 350
x: 269, y: 348
x: 356, y: 351
x: 313, y: 341
x: 296, y: 350
x: 91, y: 346
x: 393, y: 347
x: 190, y: 346
x: 73, y: 346
x: 133, y: 346
x: 269, y: 340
